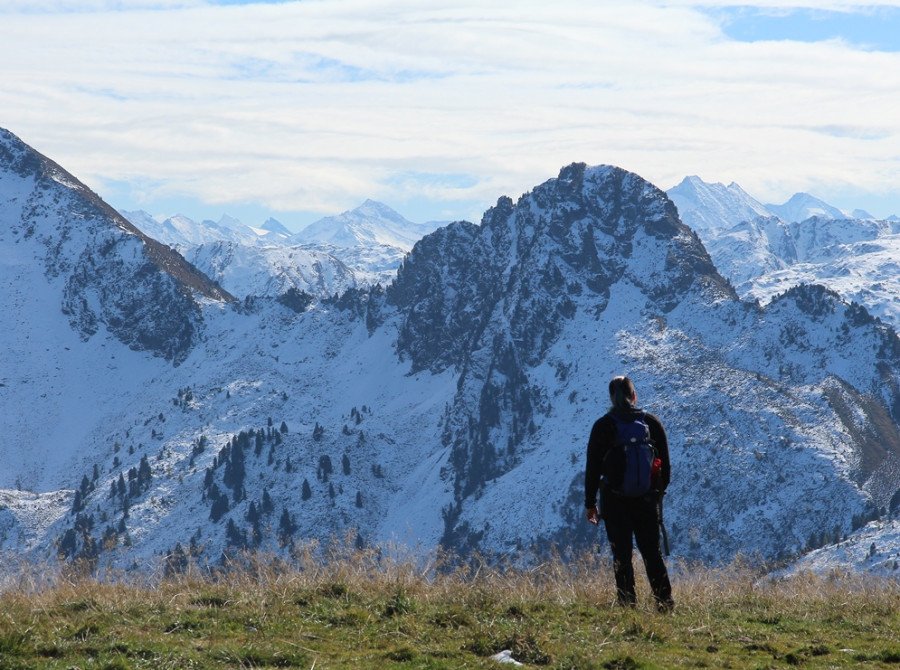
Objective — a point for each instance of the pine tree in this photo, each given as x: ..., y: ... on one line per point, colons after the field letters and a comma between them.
x: 306, y: 492
x: 144, y: 474
x: 267, y: 505
x: 325, y: 468
x: 68, y: 545
x: 234, y: 536
x: 234, y: 466
x: 286, y: 526
x: 77, y: 504
x: 219, y: 505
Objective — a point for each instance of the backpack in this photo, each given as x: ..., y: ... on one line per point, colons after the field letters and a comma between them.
x: 632, y: 465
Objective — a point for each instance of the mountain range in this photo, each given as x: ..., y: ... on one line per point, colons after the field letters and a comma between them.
x: 764, y: 253
x: 153, y: 415
x: 357, y: 249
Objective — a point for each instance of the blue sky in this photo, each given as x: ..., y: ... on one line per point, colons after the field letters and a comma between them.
x: 304, y: 109
x: 872, y: 28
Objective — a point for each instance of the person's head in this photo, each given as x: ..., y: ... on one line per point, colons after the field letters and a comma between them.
x: 622, y: 394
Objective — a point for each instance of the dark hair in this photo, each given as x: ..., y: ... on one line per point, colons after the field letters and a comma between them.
x: 621, y: 393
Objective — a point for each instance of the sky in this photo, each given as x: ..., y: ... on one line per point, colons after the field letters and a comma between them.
x: 304, y: 109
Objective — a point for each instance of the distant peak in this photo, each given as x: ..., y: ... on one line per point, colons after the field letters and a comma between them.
x: 370, y: 206
x: 802, y: 206
x: 230, y: 222
x: 275, y: 226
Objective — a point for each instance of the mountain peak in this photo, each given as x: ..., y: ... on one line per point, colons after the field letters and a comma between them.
x: 370, y: 223
x: 275, y: 226
x: 18, y: 157
x: 704, y: 206
x: 802, y: 206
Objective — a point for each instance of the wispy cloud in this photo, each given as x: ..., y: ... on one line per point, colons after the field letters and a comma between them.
x: 90, y: 6
x: 314, y: 106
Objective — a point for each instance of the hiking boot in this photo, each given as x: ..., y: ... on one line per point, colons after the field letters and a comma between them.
x: 665, y: 606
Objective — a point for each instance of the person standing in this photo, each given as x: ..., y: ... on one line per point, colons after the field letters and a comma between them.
x: 629, y: 519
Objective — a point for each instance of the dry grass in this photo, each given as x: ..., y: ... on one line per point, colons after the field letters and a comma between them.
x: 340, y: 608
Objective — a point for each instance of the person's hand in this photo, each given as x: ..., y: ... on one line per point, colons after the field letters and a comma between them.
x: 593, y: 514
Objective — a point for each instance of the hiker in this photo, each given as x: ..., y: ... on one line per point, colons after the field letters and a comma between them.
x: 629, y: 511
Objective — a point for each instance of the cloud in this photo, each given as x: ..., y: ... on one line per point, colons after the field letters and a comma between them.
x: 315, y: 106
x: 91, y: 6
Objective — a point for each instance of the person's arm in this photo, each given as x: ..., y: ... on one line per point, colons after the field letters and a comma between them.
x: 593, y: 470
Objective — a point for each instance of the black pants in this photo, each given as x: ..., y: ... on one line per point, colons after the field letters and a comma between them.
x: 626, y: 518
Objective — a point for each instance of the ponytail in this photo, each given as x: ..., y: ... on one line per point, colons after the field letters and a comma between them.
x: 621, y: 393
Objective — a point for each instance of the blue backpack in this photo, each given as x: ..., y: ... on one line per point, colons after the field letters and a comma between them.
x: 631, y: 466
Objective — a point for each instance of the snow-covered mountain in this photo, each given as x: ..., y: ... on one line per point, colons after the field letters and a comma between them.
x: 358, y: 249
x: 704, y: 206
x: 813, y: 243
x: 766, y: 255
x: 86, y: 297
x: 182, y: 232
x: 450, y: 408
x: 803, y: 206
x: 372, y: 223
x: 273, y: 229
x: 712, y: 207
x: 271, y: 271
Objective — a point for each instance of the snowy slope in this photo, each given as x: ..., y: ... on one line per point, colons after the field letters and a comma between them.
x: 875, y: 549
x: 450, y: 408
x: 85, y: 298
x: 813, y: 243
x: 249, y: 270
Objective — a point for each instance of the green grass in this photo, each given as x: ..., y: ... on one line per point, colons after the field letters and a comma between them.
x: 348, y: 609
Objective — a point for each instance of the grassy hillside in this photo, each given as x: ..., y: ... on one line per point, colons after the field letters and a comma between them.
x: 348, y: 609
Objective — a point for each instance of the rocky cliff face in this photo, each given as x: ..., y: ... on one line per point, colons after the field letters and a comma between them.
x: 111, y: 274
